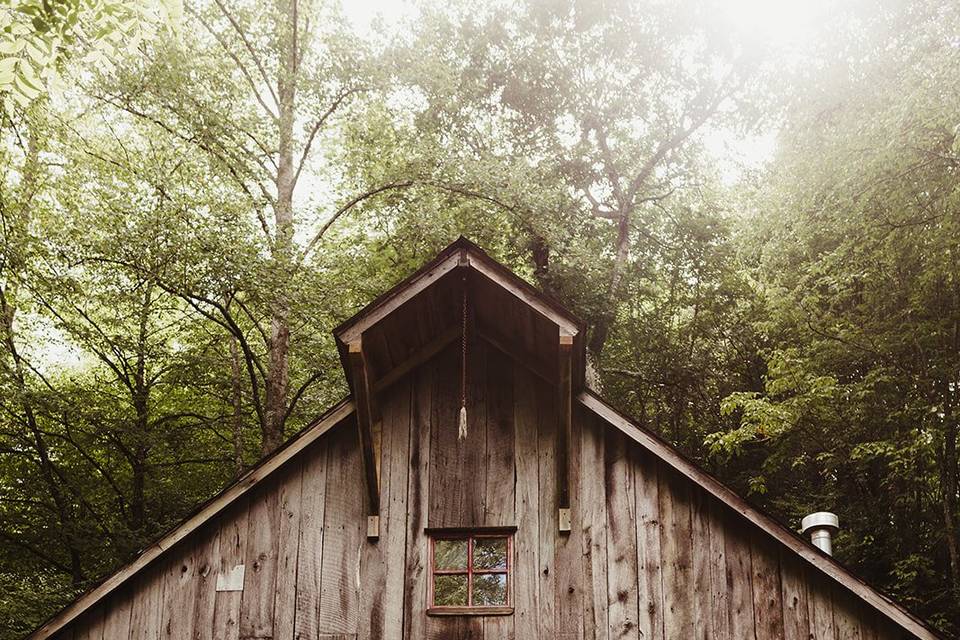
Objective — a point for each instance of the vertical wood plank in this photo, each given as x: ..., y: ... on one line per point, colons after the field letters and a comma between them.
x: 288, y: 539
x: 528, y: 511
x: 205, y: 591
x: 767, y: 602
x: 90, y: 625
x: 703, y: 596
x: 116, y: 624
x: 820, y: 605
x: 260, y: 573
x: 418, y: 486
x: 594, y: 523
x: 796, y: 615
x: 719, y: 600
x: 313, y: 491
x: 621, y: 506
x: 676, y: 556
x: 233, y: 545
x: 571, y: 592
x: 343, y: 535
x: 649, y: 576
x: 547, y: 520
x: 499, y: 469
x: 382, y: 562
x: 179, y: 594
x: 148, y: 595
x: 845, y: 615
x: 739, y: 575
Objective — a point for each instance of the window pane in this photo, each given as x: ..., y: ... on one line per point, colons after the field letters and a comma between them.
x: 489, y: 589
x: 450, y: 554
x: 450, y: 591
x: 490, y: 553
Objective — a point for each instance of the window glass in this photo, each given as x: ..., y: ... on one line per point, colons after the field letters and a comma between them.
x: 450, y: 591
x: 490, y: 553
x: 489, y: 589
x: 450, y: 554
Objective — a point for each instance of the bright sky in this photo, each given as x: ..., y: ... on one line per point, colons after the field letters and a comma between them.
x: 787, y: 24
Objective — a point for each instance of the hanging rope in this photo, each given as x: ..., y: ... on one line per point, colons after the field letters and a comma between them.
x: 462, y: 424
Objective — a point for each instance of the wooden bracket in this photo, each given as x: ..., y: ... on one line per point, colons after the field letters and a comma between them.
x: 364, y: 401
x: 564, y: 427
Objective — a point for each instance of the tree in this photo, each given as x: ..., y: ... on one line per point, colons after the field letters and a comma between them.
x: 858, y: 236
x: 294, y: 71
x: 38, y: 38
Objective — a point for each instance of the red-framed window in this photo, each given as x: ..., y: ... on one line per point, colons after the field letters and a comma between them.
x: 471, y: 572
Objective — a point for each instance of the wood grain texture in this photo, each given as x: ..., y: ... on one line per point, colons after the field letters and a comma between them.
x: 116, y: 623
x: 313, y: 491
x: 676, y: 551
x: 820, y: 606
x: 232, y: 551
x: 622, y: 577
x: 205, y: 590
x: 793, y: 589
x: 260, y: 562
x: 499, y: 507
x: 382, y: 561
x: 344, y: 525
x: 147, y: 600
x: 700, y: 542
x: 739, y: 580
x: 547, y: 521
x: 649, y: 576
x: 719, y: 597
x: 418, y: 504
x: 568, y: 563
x: 288, y: 544
x: 527, y: 506
x: 767, y: 598
x: 456, y: 478
x: 594, y: 525
x: 179, y: 594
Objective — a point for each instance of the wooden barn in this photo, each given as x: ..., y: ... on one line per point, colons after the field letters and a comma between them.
x: 545, y: 514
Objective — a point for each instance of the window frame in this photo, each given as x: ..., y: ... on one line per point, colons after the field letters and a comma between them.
x: 469, y: 535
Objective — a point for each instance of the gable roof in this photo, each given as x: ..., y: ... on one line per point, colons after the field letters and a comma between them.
x: 463, y: 254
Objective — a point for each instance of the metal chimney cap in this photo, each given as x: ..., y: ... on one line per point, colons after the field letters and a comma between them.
x: 820, y: 520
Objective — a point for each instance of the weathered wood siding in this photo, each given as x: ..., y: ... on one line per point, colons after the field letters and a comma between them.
x: 650, y: 555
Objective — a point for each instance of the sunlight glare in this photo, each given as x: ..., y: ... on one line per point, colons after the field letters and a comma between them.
x: 783, y: 23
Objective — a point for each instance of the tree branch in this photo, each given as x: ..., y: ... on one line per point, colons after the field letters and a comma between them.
x: 349, y: 205
x: 249, y: 47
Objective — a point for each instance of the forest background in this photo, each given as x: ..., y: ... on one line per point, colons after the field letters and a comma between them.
x: 756, y: 213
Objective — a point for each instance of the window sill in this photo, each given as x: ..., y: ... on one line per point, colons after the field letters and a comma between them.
x: 470, y: 611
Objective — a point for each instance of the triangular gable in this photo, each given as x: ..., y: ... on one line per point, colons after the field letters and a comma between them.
x: 463, y: 255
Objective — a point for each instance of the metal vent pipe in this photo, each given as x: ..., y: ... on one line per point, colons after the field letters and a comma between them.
x: 821, y: 526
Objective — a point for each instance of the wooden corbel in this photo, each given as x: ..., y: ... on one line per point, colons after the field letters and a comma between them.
x: 363, y: 399
x: 564, y: 427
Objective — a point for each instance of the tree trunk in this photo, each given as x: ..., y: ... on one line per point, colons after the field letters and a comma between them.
x: 141, y: 408
x: 236, y: 379
x: 540, y: 252
x: 278, y: 378
x: 948, y: 487
x: 604, y: 323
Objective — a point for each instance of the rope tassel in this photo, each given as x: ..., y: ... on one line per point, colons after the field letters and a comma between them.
x: 462, y: 431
